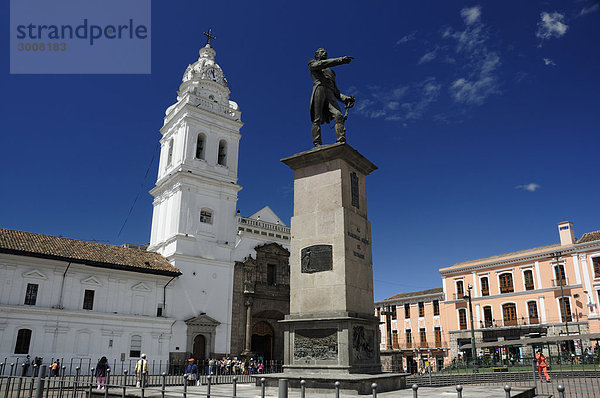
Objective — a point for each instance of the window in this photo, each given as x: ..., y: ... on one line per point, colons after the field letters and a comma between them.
x: 159, y: 310
x: 488, y: 321
x: 170, y: 153
x: 436, y: 307
x: 565, y: 309
x: 200, y: 146
x: 222, y: 154
x: 528, y: 276
x: 438, y: 336
x: 506, y: 283
x: 423, y: 337
x: 23, y: 340
x: 596, y: 263
x: 421, y: 309
x: 460, y: 290
x: 136, y: 346
x: 509, y: 313
x: 462, y: 319
x: 31, y: 294
x: 206, y: 216
x: 559, y: 272
x: 393, y: 311
x: 88, y: 300
x: 395, y: 339
x: 271, y: 274
x: 533, y: 312
x: 408, y: 337
x: 485, y: 286
x: 407, y: 311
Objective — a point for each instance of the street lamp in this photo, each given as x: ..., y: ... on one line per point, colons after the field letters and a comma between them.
x: 473, y: 348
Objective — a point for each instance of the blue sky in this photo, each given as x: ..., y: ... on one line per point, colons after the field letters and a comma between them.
x: 481, y: 116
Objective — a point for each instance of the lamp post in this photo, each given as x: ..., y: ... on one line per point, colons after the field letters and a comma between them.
x: 473, y: 348
x: 562, y: 291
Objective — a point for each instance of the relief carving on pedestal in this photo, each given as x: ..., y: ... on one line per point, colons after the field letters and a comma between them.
x: 363, y: 343
x: 316, y: 258
x: 311, y: 344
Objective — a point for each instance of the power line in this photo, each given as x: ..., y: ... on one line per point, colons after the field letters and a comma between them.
x: 140, y: 190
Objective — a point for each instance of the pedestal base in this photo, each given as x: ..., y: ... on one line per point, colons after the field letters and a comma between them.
x: 331, y: 344
x: 349, y: 383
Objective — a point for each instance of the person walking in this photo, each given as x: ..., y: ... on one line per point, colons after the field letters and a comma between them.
x: 26, y: 365
x: 101, y: 372
x: 542, y: 366
x: 141, y: 372
x: 55, y: 368
x: 192, y: 372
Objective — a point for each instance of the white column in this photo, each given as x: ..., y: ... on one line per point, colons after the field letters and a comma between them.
x: 542, y: 309
x: 477, y: 313
x: 475, y: 286
x: 536, y: 266
x: 587, y: 285
x: 576, y: 268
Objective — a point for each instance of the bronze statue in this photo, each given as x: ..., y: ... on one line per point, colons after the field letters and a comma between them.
x: 325, y: 96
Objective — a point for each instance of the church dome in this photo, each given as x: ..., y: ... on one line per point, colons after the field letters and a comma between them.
x: 205, y: 68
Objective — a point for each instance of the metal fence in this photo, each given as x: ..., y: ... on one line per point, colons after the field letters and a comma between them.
x: 219, y: 368
x: 86, y: 386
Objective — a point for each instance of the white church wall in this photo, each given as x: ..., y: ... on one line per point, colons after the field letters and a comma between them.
x: 62, y: 328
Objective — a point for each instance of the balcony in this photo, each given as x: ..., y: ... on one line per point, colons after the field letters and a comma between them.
x: 507, y: 289
x: 423, y: 344
x: 458, y: 296
x: 511, y: 322
x: 497, y: 323
x: 485, y: 292
x: 559, y: 282
x: 529, y: 286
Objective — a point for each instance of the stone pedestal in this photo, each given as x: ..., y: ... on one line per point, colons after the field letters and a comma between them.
x: 331, y: 327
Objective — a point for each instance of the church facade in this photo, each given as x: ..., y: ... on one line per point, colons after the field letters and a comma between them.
x: 198, y: 240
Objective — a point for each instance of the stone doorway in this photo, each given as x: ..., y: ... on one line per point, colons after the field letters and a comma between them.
x: 262, y: 340
x: 199, y: 348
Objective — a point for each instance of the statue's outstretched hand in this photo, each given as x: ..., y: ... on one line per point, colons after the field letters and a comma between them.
x: 349, y: 101
x: 347, y: 59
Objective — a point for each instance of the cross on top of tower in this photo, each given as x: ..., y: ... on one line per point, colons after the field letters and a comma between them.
x: 209, y: 36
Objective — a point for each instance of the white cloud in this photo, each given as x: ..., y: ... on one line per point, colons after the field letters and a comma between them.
x: 407, y: 38
x: 551, y: 25
x: 471, y: 15
x: 589, y: 10
x: 531, y: 187
x: 549, y: 62
x: 430, y: 56
x: 400, y: 103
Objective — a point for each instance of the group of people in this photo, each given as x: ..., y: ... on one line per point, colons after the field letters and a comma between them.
x: 235, y: 366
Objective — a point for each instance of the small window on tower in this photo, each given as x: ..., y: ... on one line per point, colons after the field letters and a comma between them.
x: 222, y: 154
x: 200, y: 146
x: 206, y: 216
x: 170, y: 153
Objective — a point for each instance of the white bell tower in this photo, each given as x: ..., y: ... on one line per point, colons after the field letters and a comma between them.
x: 194, y: 223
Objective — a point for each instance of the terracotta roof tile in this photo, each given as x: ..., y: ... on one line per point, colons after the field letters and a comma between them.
x: 589, y: 237
x: 89, y: 253
x: 437, y: 290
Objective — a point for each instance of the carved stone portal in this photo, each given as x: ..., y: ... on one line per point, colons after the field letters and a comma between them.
x: 311, y: 344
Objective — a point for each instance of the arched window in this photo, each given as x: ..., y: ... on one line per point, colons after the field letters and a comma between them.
x: 460, y: 290
x: 506, y: 283
x: 528, y: 276
x: 485, y: 286
x: 136, y: 346
x: 206, y: 216
x: 533, y: 312
x: 488, y: 319
x: 509, y: 313
x: 222, y: 154
x: 462, y: 318
x: 170, y: 152
x: 200, y: 143
x: 565, y: 309
x: 23, y: 341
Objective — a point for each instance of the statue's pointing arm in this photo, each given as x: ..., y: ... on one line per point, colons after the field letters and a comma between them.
x: 314, y: 64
